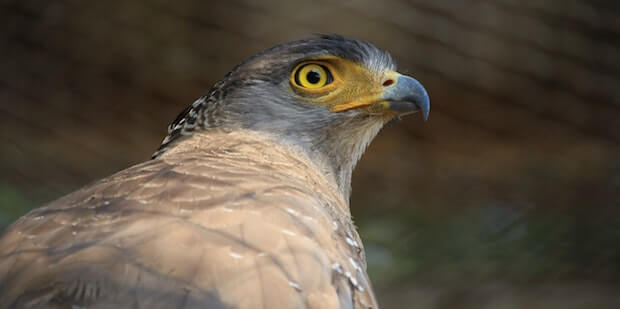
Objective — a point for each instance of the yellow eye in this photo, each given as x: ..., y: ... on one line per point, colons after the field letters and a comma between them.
x: 312, y: 76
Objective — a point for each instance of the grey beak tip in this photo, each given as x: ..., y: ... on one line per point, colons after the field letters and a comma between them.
x: 425, y: 106
x: 422, y: 99
x: 407, y: 93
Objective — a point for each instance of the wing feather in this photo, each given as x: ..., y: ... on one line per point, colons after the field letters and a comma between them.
x: 248, y: 227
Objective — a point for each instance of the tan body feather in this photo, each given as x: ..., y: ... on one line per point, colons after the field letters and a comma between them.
x: 222, y: 220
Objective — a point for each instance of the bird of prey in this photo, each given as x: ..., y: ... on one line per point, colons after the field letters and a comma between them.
x: 244, y: 205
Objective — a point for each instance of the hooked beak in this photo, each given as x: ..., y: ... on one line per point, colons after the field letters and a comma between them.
x: 399, y: 95
x: 406, y: 96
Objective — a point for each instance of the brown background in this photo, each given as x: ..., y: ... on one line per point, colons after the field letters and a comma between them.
x: 507, y: 197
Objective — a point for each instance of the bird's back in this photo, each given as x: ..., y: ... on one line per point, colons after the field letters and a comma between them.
x: 223, y: 220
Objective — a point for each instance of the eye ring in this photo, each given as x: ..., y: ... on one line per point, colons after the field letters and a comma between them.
x: 312, y: 76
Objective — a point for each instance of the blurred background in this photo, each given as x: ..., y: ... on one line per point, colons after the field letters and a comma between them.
x: 508, y: 197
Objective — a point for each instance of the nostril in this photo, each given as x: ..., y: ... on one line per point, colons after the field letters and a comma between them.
x: 388, y: 82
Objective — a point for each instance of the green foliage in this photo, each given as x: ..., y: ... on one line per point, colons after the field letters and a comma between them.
x: 15, y: 201
x: 487, y: 244
x: 13, y: 204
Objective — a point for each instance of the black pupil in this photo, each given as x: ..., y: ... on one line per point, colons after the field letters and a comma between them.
x: 313, y: 77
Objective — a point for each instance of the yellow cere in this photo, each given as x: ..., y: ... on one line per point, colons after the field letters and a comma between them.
x: 340, y: 84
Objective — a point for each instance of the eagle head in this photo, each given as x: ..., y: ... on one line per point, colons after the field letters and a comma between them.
x: 326, y: 97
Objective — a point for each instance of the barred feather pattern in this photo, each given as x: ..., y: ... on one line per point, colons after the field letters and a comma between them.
x: 198, y: 115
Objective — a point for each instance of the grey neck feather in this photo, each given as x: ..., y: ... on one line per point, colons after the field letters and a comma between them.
x: 340, y: 152
x: 334, y: 142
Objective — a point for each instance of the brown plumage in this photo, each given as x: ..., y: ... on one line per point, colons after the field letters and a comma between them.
x: 237, y: 216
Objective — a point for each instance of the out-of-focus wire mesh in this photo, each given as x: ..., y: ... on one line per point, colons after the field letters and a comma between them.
x: 509, y: 196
